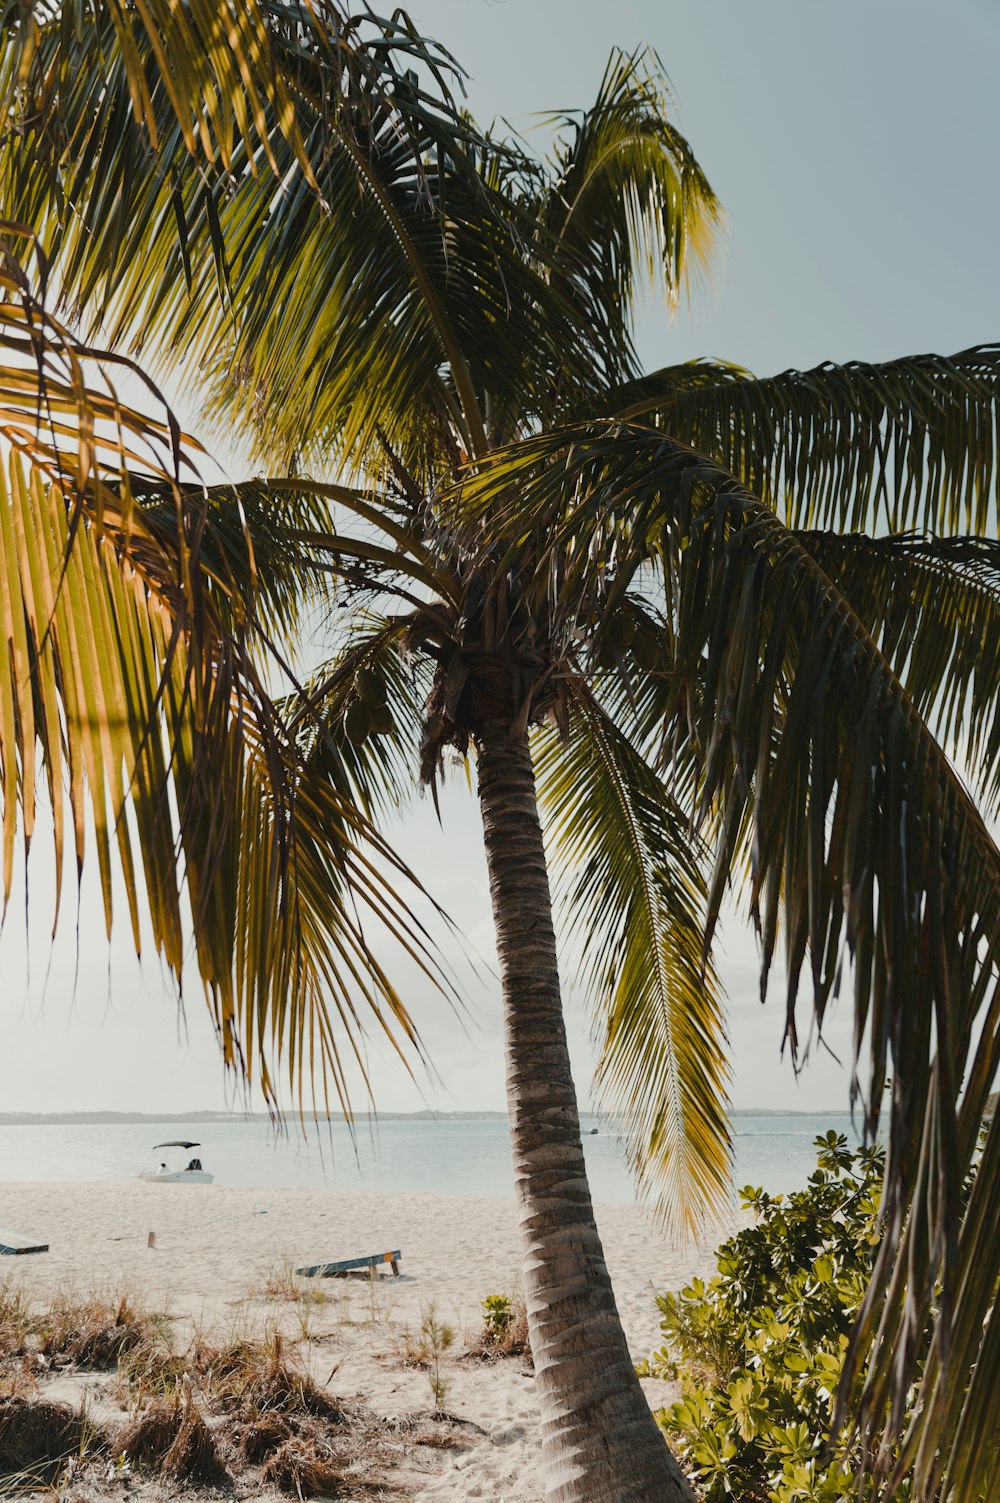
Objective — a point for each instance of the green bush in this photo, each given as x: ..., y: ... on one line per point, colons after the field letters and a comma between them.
x: 497, y: 1315
x: 759, y: 1348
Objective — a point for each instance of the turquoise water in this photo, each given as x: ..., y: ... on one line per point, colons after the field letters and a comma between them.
x: 444, y: 1157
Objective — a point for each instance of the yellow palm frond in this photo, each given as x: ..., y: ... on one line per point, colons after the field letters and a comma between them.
x: 162, y: 733
x: 633, y: 900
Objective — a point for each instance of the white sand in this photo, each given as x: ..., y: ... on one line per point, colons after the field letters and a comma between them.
x: 215, y: 1246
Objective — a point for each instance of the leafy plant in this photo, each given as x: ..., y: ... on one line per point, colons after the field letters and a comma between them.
x: 505, y: 1327
x: 759, y: 1348
x: 497, y: 1316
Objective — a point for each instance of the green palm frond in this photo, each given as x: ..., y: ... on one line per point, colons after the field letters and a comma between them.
x: 862, y: 837
x: 389, y: 267
x: 632, y: 898
x: 933, y: 606
x: 250, y: 554
x: 911, y: 444
x: 164, y: 735
x: 59, y: 406
x: 234, y: 74
x: 269, y: 548
x: 216, y: 62
x: 370, y: 760
x: 626, y: 200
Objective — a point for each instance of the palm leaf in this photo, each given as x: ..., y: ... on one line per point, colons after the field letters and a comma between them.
x: 166, y: 735
x: 632, y: 899
x: 59, y: 406
x: 933, y: 606
x: 378, y: 773
x: 862, y: 837
x: 387, y: 255
x: 911, y: 443
x: 625, y: 199
x: 251, y: 561
x: 227, y: 70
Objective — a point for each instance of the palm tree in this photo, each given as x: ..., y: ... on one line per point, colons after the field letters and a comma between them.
x: 649, y: 605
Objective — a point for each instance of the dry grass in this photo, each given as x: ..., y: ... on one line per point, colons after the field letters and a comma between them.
x: 261, y: 1376
x: 439, y: 1440
x: 302, y: 1455
x: 241, y: 1408
x: 304, y: 1466
x: 193, y: 1456
x: 262, y: 1436
x: 148, y: 1371
x: 282, y: 1282
x: 17, y: 1378
x: 15, y: 1320
x: 173, y: 1439
x: 94, y: 1332
x: 147, y: 1439
x: 91, y: 1333
x: 39, y: 1440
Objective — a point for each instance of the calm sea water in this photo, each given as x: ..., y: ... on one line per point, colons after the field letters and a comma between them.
x: 429, y: 1157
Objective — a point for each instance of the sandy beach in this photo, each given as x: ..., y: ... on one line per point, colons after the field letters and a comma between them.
x: 218, y: 1248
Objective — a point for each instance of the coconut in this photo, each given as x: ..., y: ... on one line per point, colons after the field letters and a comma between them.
x: 646, y: 650
x: 622, y: 628
x: 382, y: 721
x: 370, y: 686
x: 358, y: 722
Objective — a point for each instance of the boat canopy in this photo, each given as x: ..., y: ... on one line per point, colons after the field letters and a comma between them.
x: 176, y: 1144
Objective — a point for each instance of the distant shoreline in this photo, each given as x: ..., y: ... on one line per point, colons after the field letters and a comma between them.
x: 54, y: 1119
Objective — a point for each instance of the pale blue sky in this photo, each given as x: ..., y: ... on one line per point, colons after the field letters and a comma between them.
x: 854, y: 148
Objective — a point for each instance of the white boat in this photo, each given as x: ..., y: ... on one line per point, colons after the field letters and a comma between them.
x: 172, y: 1171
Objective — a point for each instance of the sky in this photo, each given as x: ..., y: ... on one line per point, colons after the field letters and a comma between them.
x: 854, y: 150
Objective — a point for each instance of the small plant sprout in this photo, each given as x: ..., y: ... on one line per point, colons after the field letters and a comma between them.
x: 436, y: 1337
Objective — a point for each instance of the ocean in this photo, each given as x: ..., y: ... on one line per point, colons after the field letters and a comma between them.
x: 436, y: 1157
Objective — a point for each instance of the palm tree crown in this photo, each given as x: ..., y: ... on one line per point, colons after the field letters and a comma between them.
x: 759, y: 610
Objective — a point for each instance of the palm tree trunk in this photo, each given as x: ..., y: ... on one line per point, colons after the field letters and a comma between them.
x: 600, y: 1442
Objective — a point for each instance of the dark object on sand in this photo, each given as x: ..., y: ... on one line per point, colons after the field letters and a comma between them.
x: 352, y: 1265
x: 12, y: 1244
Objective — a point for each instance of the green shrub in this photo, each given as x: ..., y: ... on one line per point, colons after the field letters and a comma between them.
x: 759, y: 1348
x: 497, y: 1315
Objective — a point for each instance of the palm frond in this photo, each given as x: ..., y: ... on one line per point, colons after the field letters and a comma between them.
x: 626, y: 200
x: 250, y: 553
x: 269, y: 548
x: 632, y: 899
x: 371, y: 760
x: 387, y: 262
x: 910, y: 444
x: 59, y: 406
x: 933, y: 606
x: 164, y: 733
x: 229, y: 71
x: 863, y: 838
